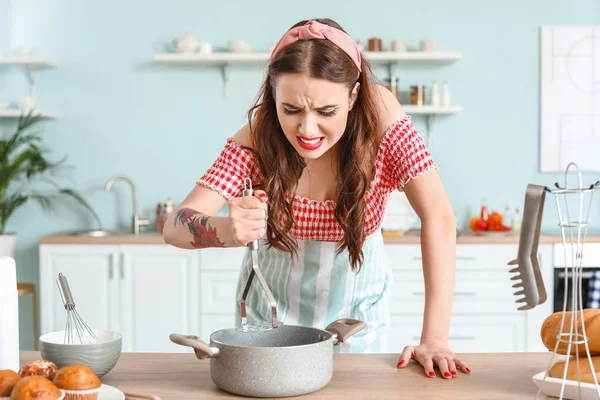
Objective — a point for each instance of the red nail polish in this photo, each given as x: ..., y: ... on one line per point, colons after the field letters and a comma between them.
x: 447, y: 374
x: 400, y: 363
x: 454, y: 373
x: 431, y: 373
x: 263, y: 196
x: 467, y: 369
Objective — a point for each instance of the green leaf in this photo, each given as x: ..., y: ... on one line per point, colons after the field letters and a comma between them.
x: 23, y: 160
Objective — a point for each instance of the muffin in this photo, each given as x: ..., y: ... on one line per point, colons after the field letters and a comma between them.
x: 44, y: 368
x: 36, y: 387
x: 8, y: 380
x: 78, y: 382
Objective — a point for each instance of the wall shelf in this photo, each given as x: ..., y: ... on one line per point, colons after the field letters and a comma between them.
x: 245, y: 58
x: 389, y: 58
x: 33, y: 64
x: 431, y: 110
x: 29, y: 62
x: 16, y: 113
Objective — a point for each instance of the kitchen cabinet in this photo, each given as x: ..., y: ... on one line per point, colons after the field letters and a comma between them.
x: 148, y: 291
x: 145, y: 292
x: 484, y: 313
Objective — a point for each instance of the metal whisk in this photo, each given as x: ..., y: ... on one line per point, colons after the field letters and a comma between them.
x: 76, y: 331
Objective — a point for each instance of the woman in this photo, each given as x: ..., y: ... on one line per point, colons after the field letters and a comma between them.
x: 326, y: 146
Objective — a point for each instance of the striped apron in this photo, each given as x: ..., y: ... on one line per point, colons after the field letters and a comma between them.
x: 317, y: 287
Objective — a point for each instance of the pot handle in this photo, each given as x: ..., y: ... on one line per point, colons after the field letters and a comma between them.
x: 343, y: 328
x: 201, y: 349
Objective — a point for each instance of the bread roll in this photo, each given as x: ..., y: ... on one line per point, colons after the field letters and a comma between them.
x: 8, y: 380
x: 551, y: 326
x: 35, y: 388
x: 76, y: 377
x: 44, y: 368
x: 585, y: 371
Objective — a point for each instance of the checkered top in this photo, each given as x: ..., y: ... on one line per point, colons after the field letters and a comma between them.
x: 401, y: 156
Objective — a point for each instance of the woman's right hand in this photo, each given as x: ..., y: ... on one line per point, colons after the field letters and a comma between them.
x: 247, y: 217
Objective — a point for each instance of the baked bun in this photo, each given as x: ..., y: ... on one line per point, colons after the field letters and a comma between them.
x: 551, y: 326
x: 44, y: 368
x: 585, y: 371
x: 8, y: 380
x: 35, y: 388
x: 76, y: 377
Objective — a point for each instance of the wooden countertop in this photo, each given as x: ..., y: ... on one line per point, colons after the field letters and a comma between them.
x: 503, y: 376
x: 389, y: 238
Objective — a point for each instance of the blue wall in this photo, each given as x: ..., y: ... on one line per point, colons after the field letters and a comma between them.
x: 163, y: 126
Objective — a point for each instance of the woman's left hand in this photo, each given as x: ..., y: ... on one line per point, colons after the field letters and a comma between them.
x: 431, y: 353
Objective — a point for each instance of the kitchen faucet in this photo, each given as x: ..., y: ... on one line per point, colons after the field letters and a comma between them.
x: 137, y: 222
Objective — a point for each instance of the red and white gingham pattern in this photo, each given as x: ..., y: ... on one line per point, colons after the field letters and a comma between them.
x: 402, y: 155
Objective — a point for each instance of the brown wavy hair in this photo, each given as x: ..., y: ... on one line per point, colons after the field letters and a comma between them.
x: 355, y: 152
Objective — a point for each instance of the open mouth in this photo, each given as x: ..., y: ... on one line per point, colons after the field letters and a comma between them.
x: 310, y: 144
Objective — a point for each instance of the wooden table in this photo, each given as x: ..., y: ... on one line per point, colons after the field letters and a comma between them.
x: 356, y: 376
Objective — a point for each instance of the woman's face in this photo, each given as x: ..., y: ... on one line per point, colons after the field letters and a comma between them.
x: 312, y: 112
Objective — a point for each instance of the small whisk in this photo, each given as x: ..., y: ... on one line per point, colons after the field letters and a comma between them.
x: 76, y: 331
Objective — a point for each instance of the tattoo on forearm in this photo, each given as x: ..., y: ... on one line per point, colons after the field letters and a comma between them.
x: 204, y: 235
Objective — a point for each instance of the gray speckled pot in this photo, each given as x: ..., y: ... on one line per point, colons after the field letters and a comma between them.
x: 285, y: 361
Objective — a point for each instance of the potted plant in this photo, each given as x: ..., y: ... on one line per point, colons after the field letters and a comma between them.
x: 22, y: 162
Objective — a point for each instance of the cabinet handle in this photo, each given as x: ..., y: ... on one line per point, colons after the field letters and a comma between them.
x: 455, y: 293
x: 461, y: 338
x: 584, y: 275
x: 111, y: 262
x: 122, y: 266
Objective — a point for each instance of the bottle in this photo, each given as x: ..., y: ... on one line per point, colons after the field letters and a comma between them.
x: 435, y: 95
x: 507, y: 217
x: 9, y: 315
x: 446, y: 95
x: 169, y: 206
x: 484, y: 212
x: 516, y: 222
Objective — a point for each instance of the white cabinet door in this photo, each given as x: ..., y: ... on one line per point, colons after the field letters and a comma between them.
x: 92, y: 276
x: 468, y: 334
x: 159, y: 288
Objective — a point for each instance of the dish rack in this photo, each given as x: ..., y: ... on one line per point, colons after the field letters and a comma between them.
x: 573, y: 233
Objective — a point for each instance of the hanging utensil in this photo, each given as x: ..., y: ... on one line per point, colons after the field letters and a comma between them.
x: 527, y: 268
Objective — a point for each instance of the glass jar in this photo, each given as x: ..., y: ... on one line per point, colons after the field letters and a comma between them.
x: 393, y: 85
x: 374, y: 44
x: 417, y: 95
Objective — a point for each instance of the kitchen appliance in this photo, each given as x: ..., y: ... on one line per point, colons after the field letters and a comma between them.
x: 573, y: 222
x: 76, y: 331
x: 561, y: 279
x: 287, y: 361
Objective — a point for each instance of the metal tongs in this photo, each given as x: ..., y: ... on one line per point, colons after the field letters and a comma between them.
x: 527, y: 265
x: 253, y: 246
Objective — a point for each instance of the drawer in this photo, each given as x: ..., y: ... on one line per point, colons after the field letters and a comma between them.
x: 468, y: 256
x: 217, y: 292
x: 591, y: 255
x: 474, y: 292
x: 468, y: 334
x: 215, y: 259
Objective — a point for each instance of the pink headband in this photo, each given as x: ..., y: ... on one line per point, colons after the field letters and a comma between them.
x: 317, y: 30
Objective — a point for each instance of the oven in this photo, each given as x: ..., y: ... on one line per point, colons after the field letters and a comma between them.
x: 587, y: 274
